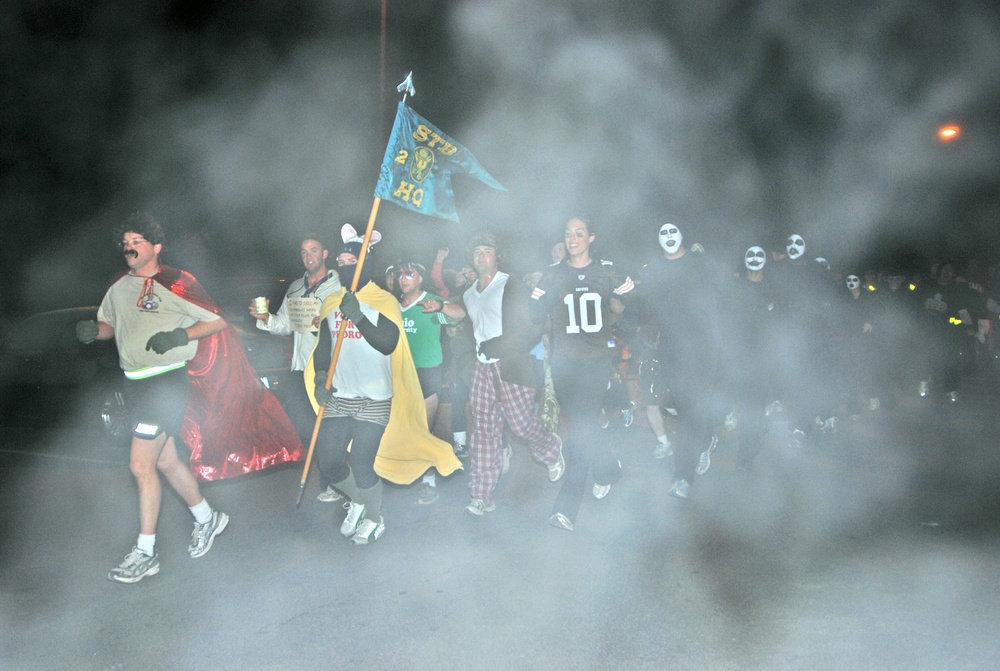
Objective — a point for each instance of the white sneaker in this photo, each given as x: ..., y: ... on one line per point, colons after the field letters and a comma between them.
x: 663, y: 450
x: 628, y: 416
x: 204, y: 534
x: 479, y: 507
x: 560, y: 521
x: 137, y: 565
x: 354, y: 513
x: 600, y: 491
x: 731, y: 421
x: 680, y: 489
x: 329, y: 495
x: 368, y: 531
x: 705, y: 460
x: 557, y: 469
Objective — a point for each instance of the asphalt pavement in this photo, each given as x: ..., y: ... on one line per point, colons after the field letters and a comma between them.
x: 872, y: 548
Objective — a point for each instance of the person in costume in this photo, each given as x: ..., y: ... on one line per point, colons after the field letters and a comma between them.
x: 187, y: 383
x: 318, y: 282
x: 422, y: 322
x: 581, y: 298
x: 374, y: 422
x: 679, y: 294
x: 806, y: 292
x: 503, y: 382
x: 753, y: 312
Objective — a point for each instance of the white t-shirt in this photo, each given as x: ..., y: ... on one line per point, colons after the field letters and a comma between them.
x: 362, y: 371
x: 484, y: 310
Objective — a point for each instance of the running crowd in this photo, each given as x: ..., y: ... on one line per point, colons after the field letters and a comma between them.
x: 547, y: 358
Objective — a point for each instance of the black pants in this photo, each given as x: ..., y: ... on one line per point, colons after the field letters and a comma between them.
x: 580, y: 386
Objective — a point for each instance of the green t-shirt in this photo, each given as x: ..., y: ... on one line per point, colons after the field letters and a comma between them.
x: 423, y: 331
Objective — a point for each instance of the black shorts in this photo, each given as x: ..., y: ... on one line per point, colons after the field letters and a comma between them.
x: 156, y: 404
x: 431, y: 380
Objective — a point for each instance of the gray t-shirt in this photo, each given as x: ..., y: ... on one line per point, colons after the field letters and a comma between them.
x: 137, y: 308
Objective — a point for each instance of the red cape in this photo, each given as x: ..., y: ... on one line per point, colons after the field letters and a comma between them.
x: 233, y: 424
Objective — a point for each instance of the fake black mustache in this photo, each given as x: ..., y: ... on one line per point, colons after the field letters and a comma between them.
x: 131, y: 252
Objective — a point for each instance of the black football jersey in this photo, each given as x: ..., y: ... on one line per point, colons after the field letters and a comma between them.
x: 577, y: 300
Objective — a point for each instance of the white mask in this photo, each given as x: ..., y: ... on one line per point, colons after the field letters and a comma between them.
x: 795, y: 246
x: 755, y: 258
x: 853, y: 282
x: 670, y: 238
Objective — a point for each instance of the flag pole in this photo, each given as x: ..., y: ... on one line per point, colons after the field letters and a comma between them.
x: 336, y: 348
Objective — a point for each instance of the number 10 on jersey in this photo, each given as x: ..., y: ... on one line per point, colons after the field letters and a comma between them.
x: 584, y: 312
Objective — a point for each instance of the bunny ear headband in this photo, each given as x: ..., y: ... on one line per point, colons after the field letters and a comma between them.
x: 349, y: 235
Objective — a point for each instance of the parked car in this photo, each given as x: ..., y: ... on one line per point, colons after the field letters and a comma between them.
x: 48, y: 378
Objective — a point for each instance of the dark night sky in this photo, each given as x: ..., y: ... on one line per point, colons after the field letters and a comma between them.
x: 244, y: 125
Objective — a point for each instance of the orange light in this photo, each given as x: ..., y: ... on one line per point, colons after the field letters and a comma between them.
x: 949, y: 132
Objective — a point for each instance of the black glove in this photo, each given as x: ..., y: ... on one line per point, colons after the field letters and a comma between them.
x: 351, y: 308
x: 323, y: 395
x: 488, y: 348
x: 86, y: 331
x: 167, y: 340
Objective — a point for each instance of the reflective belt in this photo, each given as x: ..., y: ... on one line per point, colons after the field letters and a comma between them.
x: 150, y: 371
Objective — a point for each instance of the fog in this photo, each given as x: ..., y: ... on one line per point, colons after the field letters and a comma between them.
x: 742, y: 123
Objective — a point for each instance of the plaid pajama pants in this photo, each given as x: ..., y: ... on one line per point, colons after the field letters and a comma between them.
x: 494, y: 402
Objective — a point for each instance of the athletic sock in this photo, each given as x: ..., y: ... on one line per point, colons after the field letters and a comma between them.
x: 147, y: 543
x: 202, y: 512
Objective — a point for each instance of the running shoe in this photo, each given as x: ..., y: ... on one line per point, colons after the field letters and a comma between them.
x: 479, y: 507
x: 560, y: 521
x: 137, y: 565
x: 368, y: 531
x: 329, y: 495
x: 350, y: 524
x: 204, y: 534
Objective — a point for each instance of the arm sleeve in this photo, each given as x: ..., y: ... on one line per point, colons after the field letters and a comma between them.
x: 437, y: 278
x: 542, y: 299
x: 520, y: 332
x: 324, y: 348
x: 383, y: 337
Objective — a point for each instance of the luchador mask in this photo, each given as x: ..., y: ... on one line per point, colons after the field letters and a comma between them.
x: 853, y: 282
x: 755, y: 258
x: 670, y: 238
x: 795, y: 246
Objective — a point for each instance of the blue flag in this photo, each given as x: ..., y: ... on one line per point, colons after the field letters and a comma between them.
x: 418, y: 164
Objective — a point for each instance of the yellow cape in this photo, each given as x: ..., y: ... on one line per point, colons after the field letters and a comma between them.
x: 408, y: 448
